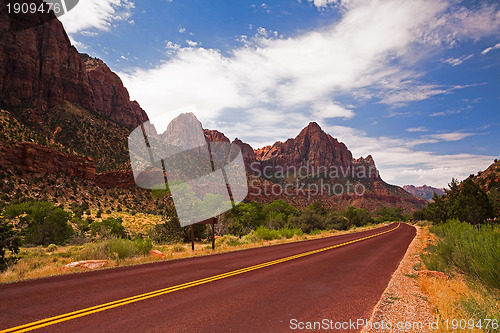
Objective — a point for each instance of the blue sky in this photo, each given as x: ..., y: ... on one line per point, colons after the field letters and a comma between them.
x: 416, y: 84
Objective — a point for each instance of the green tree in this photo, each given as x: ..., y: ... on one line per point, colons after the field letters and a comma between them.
x: 308, y: 221
x: 42, y: 222
x: 390, y: 214
x: 9, y: 244
x: 471, y: 204
x: 109, y: 227
x: 277, y: 214
x: 437, y: 211
x: 358, y: 216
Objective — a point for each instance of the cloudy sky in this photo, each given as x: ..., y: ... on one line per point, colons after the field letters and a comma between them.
x: 414, y: 83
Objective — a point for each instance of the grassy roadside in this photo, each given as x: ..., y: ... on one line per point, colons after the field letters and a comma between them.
x: 38, y: 262
x: 468, y: 295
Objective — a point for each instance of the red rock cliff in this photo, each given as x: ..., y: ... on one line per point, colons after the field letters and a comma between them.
x: 35, y: 158
x: 39, y: 68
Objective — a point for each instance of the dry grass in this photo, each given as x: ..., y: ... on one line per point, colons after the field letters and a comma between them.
x: 457, y: 298
x: 138, y: 224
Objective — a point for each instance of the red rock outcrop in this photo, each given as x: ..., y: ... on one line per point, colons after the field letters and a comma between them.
x: 367, y: 166
x: 35, y: 158
x: 247, y: 152
x: 215, y: 136
x: 119, y: 179
x: 39, y: 68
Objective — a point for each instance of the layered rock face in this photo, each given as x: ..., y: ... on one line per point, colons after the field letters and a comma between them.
x: 35, y: 158
x: 39, y: 68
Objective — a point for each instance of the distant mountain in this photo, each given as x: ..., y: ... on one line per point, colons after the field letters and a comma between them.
x: 425, y: 192
x: 316, y: 160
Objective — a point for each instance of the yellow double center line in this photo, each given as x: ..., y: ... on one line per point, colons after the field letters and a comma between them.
x: 106, y: 306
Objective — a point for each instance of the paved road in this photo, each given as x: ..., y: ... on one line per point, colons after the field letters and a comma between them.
x: 337, y: 284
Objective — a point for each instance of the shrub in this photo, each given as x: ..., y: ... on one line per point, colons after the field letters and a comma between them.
x: 358, y: 216
x: 290, y: 232
x: 307, y: 221
x: 170, y: 231
x: 267, y: 234
x: 178, y: 248
x: 473, y: 250
x: 123, y: 248
x: 52, y: 248
x: 390, y: 214
x: 109, y: 227
x: 93, y: 251
x: 143, y: 245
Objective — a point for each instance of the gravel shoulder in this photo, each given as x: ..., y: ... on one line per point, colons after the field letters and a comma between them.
x: 403, y: 307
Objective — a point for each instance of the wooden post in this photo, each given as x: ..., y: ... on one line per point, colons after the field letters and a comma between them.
x: 192, y: 237
x: 213, y: 233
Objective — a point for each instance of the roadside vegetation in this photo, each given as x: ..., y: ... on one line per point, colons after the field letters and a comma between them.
x: 38, y: 238
x: 463, y: 243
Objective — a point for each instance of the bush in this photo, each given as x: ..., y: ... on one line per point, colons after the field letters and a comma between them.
x: 473, y: 250
x: 178, y: 248
x: 267, y: 234
x: 115, y: 248
x: 109, y: 227
x: 122, y: 248
x: 42, y: 222
x: 170, y: 231
x: 143, y: 245
x: 230, y: 240
x: 290, y: 232
x: 307, y: 221
x: 93, y: 251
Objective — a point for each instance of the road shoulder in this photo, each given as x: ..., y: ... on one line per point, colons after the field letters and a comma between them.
x: 403, y: 301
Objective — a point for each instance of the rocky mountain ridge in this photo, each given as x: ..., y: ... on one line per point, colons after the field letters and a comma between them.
x: 425, y: 192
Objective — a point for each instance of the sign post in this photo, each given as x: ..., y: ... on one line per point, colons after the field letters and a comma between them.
x: 212, y: 221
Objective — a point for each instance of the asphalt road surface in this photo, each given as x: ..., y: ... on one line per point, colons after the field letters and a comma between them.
x: 269, y: 289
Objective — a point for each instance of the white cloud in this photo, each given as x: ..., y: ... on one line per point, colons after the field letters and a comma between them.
x: 327, y: 109
x: 362, y: 54
x: 457, y: 61
x: 96, y: 14
x: 271, y: 87
x: 323, y: 4
x: 191, y: 43
x: 182, y: 29
x: 455, y: 136
x: 400, y: 163
x: 488, y: 49
x: 417, y: 129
